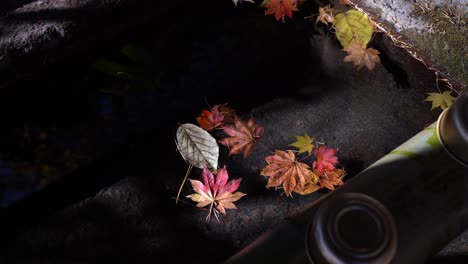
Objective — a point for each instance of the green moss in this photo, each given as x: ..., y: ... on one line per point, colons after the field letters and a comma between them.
x: 446, y: 40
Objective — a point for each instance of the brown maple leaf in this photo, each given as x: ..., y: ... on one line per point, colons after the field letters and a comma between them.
x: 325, y: 15
x: 280, y: 8
x: 216, y: 192
x: 308, y: 188
x: 284, y: 169
x: 361, y: 56
x: 331, y: 178
x: 328, y: 179
x: 242, y: 136
x: 210, y: 120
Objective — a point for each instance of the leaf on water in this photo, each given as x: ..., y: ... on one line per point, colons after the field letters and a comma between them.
x: 284, y: 169
x: 325, y: 15
x: 353, y: 26
x: 303, y: 143
x: 216, y: 192
x: 442, y: 100
x: 280, y: 8
x: 361, y: 56
x: 197, y: 146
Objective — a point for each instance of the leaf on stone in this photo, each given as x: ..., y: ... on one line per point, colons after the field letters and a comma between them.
x: 442, y: 100
x: 216, y: 191
x: 353, y: 26
x: 242, y: 136
x: 210, y: 120
x: 303, y: 143
x: 308, y: 188
x: 325, y: 15
x: 331, y: 178
x: 326, y: 159
x: 280, y: 8
x: 228, y: 113
x: 197, y: 146
x: 283, y: 169
x: 361, y: 56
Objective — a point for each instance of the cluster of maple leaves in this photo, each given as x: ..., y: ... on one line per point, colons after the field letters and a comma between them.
x: 284, y: 171
x: 353, y: 29
x: 293, y: 175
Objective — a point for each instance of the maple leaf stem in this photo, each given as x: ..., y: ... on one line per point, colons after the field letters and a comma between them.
x: 189, y: 169
x: 263, y: 146
x: 208, y: 104
x: 187, y: 203
x: 308, y: 155
x: 210, y: 211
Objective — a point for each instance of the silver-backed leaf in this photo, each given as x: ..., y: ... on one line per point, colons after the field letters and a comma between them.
x: 197, y: 146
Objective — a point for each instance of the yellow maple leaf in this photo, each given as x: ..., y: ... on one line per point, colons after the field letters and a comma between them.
x: 303, y: 143
x: 442, y: 100
x: 361, y: 56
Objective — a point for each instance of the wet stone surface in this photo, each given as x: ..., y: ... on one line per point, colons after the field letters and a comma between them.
x: 301, y: 85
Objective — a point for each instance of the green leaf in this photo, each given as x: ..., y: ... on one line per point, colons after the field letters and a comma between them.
x: 353, y: 26
x: 303, y: 143
x: 442, y: 100
x: 136, y: 54
x: 111, y: 68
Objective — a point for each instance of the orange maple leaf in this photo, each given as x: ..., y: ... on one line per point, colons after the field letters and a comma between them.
x: 309, y: 187
x: 280, y: 8
x: 361, y: 56
x: 328, y: 179
x: 331, y: 178
x: 210, y: 120
x: 284, y: 169
x: 242, y: 136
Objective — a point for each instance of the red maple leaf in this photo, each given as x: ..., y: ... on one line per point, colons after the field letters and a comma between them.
x: 280, y: 8
x: 242, y: 136
x: 210, y: 120
x: 326, y: 159
x: 216, y: 192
